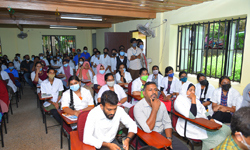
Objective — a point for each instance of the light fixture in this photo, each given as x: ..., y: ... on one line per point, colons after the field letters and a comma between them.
x: 81, y: 17
x: 62, y: 27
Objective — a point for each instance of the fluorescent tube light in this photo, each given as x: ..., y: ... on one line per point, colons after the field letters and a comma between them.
x: 77, y: 18
x: 62, y: 27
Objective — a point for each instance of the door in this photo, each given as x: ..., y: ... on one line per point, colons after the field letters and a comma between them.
x: 114, y: 39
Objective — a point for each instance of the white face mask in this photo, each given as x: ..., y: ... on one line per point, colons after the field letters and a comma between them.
x: 155, y: 71
x: 111, y: 83
x: 244, y: 141
x: 81, y: 62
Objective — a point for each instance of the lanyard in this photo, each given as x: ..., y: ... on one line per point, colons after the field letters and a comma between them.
x: 135, y: 52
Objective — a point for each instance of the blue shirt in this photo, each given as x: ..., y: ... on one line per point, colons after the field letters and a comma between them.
x: 14, y: 72
x: 75, y: 59
x: 86, y: 56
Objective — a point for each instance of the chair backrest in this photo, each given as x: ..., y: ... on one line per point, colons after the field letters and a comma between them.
x: 129, y: 91
x: 174, y: 117
x: 131, y: 112
x: 12, y: 77
x: 82, y: 117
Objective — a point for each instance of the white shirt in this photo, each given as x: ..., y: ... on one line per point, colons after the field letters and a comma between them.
x: 113, y: 64
x: 134, y: 64
x: 46, y: 61
x: 160, y: 77
x: 72, y: 64
x: 96, y: 62
x: 33, y: 75
x: 117, y: 89
x: 174, y: 85
x: 61, y: 71
x: 136, y: 85
x: 127, y: 77
x: 17, y: 65
x: 105, y: 61
x: 58, y: 63
x: 5, y: 76
x: 99, y: 128
x: 179, y: 86
x: 53, y: 89
x: 79, y: 104
x: 232, y: 96
x: 3, y: 67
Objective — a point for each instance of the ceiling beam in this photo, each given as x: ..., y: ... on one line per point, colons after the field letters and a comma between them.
x: 26, y: 22
x: 74, y: 9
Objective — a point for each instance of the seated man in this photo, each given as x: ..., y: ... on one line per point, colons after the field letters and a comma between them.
x: 240, y: 137
x: 103, y: 121
x: 10, y: 85
x: 13, y: 71
x: 151, y: 115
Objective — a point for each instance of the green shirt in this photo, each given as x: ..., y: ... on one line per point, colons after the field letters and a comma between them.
x: 228, y: 144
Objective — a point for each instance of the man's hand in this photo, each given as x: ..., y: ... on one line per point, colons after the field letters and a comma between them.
x: 133, y: 57
x: 212, y: 120
x: 94, y: 66
x: 139, y: 56
x: 223, y: 109
x: 217, y: 107
x: 126, y: 144
x: 113, y: 146
x: 155, y: 104
x: 25, y: 69
x: 56, y: 105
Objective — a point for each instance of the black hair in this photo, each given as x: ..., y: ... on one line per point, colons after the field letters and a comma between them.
x: 198, y: 77
x: 125, y: 66
x: 51, y: 69
x: 71, y: 104
x: 148, y: 83
x: 190, y: 85
x: 107, y: 75
x: 121, y: 49
x: 240, y: 121
x: 78, y: 49
x: 142, y: 69
x: 121, y: 46
x: 17, y: 54
x: 65, y: 60
x: 157, y: 68
x: 85, y: 47
x: 81, y: 58
x: 138, y: 42
x: 167, y: 69
x: 97, y: 52
x: 10, y: 63
x: 106, y: 49
x: 132, y: 40
x: 113, y: 50
x: 222, y: 78
x: 109, y: 97
x: 182, y: 73
x: 36, y: 57
x: 38, y: 62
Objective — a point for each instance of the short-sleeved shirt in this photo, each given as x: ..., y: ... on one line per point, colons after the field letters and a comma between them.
x: 118, y: 90
x: 136, y: 85
x: 27, y: 65
x: 86, y: 56
x: 82, y: 102
x: 134, y: 64
x: 142, y: 112
x: 5, y: 76
x: 14, y: 72
x: 228, y: 144
x: 106, y: 61
x: 76, y: 58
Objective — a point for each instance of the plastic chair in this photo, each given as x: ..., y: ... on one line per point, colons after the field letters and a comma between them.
x: 81, y: 121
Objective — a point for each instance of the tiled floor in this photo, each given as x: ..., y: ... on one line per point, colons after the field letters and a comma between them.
x: 26, y: 130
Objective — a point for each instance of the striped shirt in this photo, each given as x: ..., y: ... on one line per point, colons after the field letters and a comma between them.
x: 228, y: 144
x: 223, y: 99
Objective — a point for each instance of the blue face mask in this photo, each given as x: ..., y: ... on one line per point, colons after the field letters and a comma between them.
x: 171, y: 75
x: 78, y: 53
x: 32, y: 58
x: 184, y: 79
x: 12, y: 67
x: 65, y: 65
x: 101, y: 71
x: 41, y: 57
x: 51, y: 56
x: 75, y: 87
x: 97, y: 56
x: 141, y: 46
x: 85, y: 51
x: 134, y: 44
x: 122, y: 53
x: 58, y: 57
x: 18, y: 57
x: 41, y: 69
x: 124, y: 69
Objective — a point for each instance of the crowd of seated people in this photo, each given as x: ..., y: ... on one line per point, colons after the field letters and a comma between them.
x: 80, y: 82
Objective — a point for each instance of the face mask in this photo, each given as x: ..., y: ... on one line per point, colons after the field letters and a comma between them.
x: 41, y: 57
x: 111, y: 83
x: 97, y: 56
x: 101, y: 71
x: 85, y: 51
x: 144, y: 78
x: 124, y: 69
x: 141, y: 46
x: 113, y: 54
x: 75, y: 87
x: 81, y: 62
x: 71, y: 57
x: 51, y: 76
x: 27, y: 60
x: 16, y: 59
x: 51, y: 56
x: 171, y: 75
x: 65, y: 65
x: 155, y: 71
x: 78, y: 53
x: 58, y: 57
x: 244, y: 141
x: 12, y: 67
x: 55, y: 60
x: 41, y: 69
x: 134, y: 44
x: 204, y: 82
x: 226, y: 87
x: 105, y: 53
x: 184, y: 79
x: 122, y: 53
x: 32, y: 58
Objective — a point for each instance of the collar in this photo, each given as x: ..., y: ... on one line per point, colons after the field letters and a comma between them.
x: 145, y: 103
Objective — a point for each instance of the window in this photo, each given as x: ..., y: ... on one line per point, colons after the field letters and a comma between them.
x: 213, y: 48
x: 58, y: 44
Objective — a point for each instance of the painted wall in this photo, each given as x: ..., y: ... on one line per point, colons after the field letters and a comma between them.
x: 33, y: 43
x: 165, y: 42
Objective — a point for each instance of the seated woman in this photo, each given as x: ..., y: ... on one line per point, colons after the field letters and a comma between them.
x: 183, y: 79
x: 86, y: 73
x: 80, y: 63
x: 110, y: 85
x: 11, y: 69
x: 204, y: 92
x: 138, y: 84
x: 168, y: 85
x: 156, y: 77
x: 189, y: 106
x: 66, y: 71
x: 76, y: 99
x: 99, y: 80
x: 38, y: 75
x: 122, y: 76
x: 55, y: 63
x: 54, y: 87
x: 224, y: 100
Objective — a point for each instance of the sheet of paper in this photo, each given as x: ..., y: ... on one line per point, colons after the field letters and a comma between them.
x: 126, y: 104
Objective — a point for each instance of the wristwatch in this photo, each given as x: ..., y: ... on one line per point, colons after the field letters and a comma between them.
x: 169, y: 138
x: 128, y: 138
